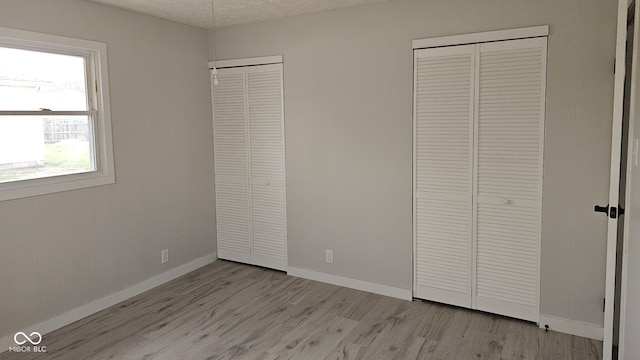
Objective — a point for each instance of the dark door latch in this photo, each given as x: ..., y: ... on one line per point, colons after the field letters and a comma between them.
x: 613, y: 212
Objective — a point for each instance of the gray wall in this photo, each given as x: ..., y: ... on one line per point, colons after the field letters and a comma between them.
x: 348, y: 103
x: 63, y: 250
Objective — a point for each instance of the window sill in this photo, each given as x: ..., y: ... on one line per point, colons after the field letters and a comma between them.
x: 29, y: 188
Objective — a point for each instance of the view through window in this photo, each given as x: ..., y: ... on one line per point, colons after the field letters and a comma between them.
x: 46, y: 115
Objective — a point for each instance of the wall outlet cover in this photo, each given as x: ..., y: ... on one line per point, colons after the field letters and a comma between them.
x: 328, y: 256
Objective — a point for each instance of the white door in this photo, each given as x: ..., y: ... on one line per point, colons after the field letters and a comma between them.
x: 231, y: 166
x: 443, y: 146
x: 266, y: 144
x: 509, y: 147
x: 614, y: 180
x: 629, y: 347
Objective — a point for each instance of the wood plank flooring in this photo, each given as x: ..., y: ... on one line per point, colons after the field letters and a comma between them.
x: 232, y: 311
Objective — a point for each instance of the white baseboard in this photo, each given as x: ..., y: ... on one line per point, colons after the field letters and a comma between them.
x: 404, y: 294
x: 572, y: 327
x: 109, y: 300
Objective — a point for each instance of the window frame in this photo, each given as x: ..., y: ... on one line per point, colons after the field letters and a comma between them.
x: 99, y: 110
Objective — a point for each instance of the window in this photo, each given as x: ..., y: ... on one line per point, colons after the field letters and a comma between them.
x: 55, y: 126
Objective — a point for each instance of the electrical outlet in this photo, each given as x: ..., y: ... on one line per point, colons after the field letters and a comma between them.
x: 328, y: 256
x: 164, y: 256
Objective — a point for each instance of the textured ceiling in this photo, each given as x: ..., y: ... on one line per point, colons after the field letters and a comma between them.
x: 230, y: 12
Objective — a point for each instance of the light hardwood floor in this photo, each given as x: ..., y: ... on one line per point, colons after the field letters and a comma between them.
x: 233, y: 311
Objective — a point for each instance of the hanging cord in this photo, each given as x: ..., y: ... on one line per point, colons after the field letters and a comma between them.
x: 214, y: 71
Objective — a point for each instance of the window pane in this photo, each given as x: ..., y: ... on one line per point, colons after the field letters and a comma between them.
x: 42, y: 146
x: 32, y: 80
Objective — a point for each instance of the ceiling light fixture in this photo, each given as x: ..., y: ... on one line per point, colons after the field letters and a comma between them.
x: 214, y: 71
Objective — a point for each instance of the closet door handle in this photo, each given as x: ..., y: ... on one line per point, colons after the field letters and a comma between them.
x: 266, y: 182
x: 506, y: 202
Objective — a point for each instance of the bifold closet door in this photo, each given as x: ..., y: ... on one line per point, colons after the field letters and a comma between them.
x: 250, y: 165
x: 231, y: 166
x: 478, y: 150
x: 509, y: 153
x: 266, y: 143
x: 443, y: 155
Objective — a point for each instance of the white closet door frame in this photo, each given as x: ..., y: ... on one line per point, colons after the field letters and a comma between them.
x: 263, y: 60
x: 475, y: 38
x: 614, y: 177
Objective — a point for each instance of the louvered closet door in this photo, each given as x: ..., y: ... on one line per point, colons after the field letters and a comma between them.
x: 266, y: 129
x: 443, y: 131
x: 510, y: 134
x: 231, y: 166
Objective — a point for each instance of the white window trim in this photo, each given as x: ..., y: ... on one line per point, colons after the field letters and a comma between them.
x: 97, y: 73
x: 498, y: 35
